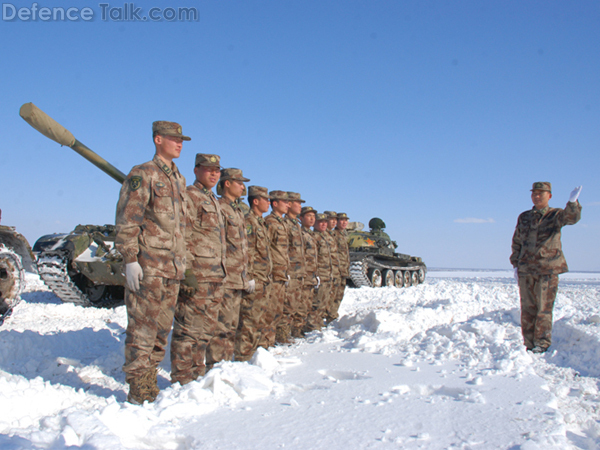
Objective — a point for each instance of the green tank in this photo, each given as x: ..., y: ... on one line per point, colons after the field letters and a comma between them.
x: 81, y: 266
x: 374, y: 261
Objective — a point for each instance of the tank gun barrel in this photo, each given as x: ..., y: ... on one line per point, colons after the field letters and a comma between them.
x: 50, y: 128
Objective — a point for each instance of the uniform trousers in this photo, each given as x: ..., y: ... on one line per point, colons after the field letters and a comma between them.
x: 538, y: 293
x: 220, y: 347
x: 251, y: 323
x: 273, y: 314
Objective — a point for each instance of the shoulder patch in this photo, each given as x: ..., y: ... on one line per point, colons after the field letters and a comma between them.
x: 135, y: 183
x: 249, y: 228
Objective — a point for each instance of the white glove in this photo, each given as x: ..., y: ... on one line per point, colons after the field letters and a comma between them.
x: 318, y: 282
x: 134, y: 274
x: 251, y: 286
x: 287, y: 283
x: 516, y: 274
x: 575, y: 194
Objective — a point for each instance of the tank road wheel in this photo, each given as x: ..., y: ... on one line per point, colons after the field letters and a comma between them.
x: 98, y: 295
x: 421, y: 273
x: 388, y: 278
x: 375, y: 277
x: 414, y: 275
x: 406, y: 277
x: 398, y: 278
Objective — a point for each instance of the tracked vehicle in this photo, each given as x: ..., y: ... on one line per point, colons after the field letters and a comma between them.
x: 374, y: 261
x: 82, y: 266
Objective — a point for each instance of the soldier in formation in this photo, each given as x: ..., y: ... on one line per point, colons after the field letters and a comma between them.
x: 151, y: 226
x: 538, y: 259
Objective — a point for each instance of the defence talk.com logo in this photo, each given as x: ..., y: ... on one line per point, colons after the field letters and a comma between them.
x: 129, y: 12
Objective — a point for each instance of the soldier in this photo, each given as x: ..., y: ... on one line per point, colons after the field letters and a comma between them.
x: 255, y: 301
x: 294, y: 315
x: 278, y: 238
x: 335, y: 261
x: 341, y: 238
x: 538, y: 260
x: 231, y: 188
x: 198, y: 305
x: 151, y: 222
x: 324, y: 272
x: 312, y: 281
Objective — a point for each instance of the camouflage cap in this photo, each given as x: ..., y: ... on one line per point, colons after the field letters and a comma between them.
x: 258, y: 191
x: 204, y: 159
x: 342, y: 216
x: 330, y: 214
x: 165, y: 128
x: 542, y: 186
x: 295, y: 197
x: 233, y: 174
x: 307, y: 209
x: 321, y: 216
x: 278, y: 195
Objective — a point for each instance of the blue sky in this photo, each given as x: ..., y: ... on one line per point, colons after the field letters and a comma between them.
x: 435, y: 116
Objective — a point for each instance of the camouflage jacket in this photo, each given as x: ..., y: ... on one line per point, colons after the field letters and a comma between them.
x: 296, y: 249
x: 279, y: 240
x: 536, y: 246
x: 324, y: 264
x: 335, y: 257
x: 206, y: 235
x: 151, y: 219
x: 341, y: 239
x: 259, y: 252
x: 310, y: 253
x: 237, y: 245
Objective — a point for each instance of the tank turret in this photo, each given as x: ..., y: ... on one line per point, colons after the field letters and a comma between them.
x: 374, y: 261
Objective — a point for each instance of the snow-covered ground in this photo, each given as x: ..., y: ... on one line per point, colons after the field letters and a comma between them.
x: 436, y: 366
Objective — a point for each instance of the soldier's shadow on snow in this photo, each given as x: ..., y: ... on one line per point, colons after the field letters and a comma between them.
x: 575, y: 349
x: 34, y: 297
x: 85, y: 359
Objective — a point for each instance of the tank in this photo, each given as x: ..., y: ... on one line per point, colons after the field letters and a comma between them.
x: 374, y: 261
x: 81, y: 266
x: 16, y: 257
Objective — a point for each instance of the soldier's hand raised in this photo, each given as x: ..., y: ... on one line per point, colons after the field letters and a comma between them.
x: 575, y: 194
x: 134, y: 274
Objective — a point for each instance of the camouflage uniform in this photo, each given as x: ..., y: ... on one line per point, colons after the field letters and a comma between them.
x: 310, y: 288
x: 324, y: 272
x: 196, y: 316
x: 336, y: 274
x: 254, y: 305
x: 150, y: 225
x: 279, y: 240
x: 537, y: 255
x: 341, y: 239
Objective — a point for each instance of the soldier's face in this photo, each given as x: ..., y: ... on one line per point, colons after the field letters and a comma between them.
x: 208, y: 176
x: 295, y: 208
x: 168, y: 147
x: 540, y: 198
x: 308, y: 219
x: 234, y: 188
x: 262, y: 204
x: 281, y: 206
x: 342, y: 224
x: 321, y: 225
x: 331, y: 223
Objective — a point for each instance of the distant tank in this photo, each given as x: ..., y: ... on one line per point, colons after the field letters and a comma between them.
x: 82, y: 266
x: 16, y: 257
x: 374, y: 261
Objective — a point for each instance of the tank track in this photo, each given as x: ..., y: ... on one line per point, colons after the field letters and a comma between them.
x: 359, y: 268
x: 54, y: 272
x: 10, y: 262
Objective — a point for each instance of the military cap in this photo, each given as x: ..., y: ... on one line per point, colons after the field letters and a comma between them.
x: 307, y: 209
x: 330, y: 214
x: 204, y: 159
x: 258, y: 191
x: 233, y: 174
x: 342, y: 216
x: 321, y: 216
x: 295, y: 197
x: 542, y: 186
x: 165, y: 128
x: 278, y: 195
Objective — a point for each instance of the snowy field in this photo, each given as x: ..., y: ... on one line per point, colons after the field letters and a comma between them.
x: 436, y: 366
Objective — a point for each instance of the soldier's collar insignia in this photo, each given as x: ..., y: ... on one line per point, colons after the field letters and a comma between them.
x: 135, y: 183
